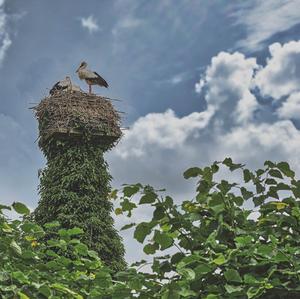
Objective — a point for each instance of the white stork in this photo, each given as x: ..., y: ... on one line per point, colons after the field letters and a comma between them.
x: 90, y: 77
x: 65, y: 84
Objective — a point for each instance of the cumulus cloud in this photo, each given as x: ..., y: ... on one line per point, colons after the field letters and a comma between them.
x: 90, y: 23
x: 281, y: 76
x: 5, y: 41
x: 290, y: 109
x: 228, y: 81
x: 163, y: 130
x: 264, y: 19
x: 160, y: 146
x: 227, y: 127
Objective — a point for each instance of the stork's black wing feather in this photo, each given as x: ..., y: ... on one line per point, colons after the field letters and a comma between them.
x: 100, y: 80
x: 54, y: 88
x: 57, y: 87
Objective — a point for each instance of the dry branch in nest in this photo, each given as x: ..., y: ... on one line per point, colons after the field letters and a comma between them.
x: 74, y: 114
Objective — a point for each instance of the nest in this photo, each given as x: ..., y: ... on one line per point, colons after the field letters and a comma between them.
x: 75, y: 114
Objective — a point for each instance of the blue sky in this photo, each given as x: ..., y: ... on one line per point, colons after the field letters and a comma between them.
x: 198, y: 80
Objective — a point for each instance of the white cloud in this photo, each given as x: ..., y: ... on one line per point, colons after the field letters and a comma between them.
x: 290, y: 109
x: 90, y: 23
x: 228, y: 81
x: 266, y: 18
x: 160, y: 146
x: 163, y: 130
x: 5, y: 41
x: 281, y: 76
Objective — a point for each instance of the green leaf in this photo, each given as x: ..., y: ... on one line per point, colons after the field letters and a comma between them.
x: 187, y: 273
x: 52, y: 224
x: 82, y: 249
x: 22, y: 295
x: 264, y: 250
x: 141, y: 231
x: 15, y: 247
x: 45, y: 290
x: 159, y: 213
x: 250, y: 279
x: 285, y: 168
x: 269, y: 164
x: 247, y: 175
x: 127, y: 226
x: 232, y: 166
x: 238, y: 200
x: 232, y: 289
x: 275, y: 173
x: 220, y: 260
x: 270, y: 182
x: 148, y: 198
x: 202, y: 269
x: 20, y: 208
x: 128, y: 191
x: 75, y: 231
x: 163, y: 239
x: 192, y: 172
x: 232, y: 275
x: 245, y: 193
x: 150, y: 248
x: 243, y: 240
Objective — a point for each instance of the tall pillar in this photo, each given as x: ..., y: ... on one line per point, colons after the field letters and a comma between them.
x: 75, y: 129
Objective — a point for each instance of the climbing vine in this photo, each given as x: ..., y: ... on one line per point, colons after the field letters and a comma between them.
x: 74, y: 190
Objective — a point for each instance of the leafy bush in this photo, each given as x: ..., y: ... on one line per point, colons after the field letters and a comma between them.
x: 60, y: 267
x: 218, y: 250
x: 207, y: 247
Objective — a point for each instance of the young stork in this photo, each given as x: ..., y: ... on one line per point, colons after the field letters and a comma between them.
x: 65, y: 84
x: 90, y: 77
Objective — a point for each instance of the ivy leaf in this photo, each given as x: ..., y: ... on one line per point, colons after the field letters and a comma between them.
x: 188, y: 273
x: 16, y: 247
x: 232, y: 289
x: 232, y: 275
x: 202, y: 269
x: 220, y: 260
x: 20, y: 208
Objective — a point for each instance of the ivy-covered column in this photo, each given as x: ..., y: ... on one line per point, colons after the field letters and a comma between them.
x: 75, y: 130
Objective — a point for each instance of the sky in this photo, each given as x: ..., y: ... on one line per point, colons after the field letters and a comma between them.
x: 198, y: 80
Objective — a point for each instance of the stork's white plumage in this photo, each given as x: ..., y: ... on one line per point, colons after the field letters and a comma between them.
x: 65, y: 84
x: 90, y: 77
x: 61, y: 85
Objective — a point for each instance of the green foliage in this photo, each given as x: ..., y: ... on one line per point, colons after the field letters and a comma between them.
x: 208, y: 247
x: 61, y: 267
x: 216, y: 247
x: 74, y: 190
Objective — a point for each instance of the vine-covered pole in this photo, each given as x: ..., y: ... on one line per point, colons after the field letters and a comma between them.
x: 75, y: 129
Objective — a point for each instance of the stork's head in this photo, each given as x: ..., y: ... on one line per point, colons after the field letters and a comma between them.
x: 82, y: 65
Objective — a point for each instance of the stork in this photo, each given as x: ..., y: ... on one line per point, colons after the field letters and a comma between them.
x: 90, y: 77
x: 61, y: 85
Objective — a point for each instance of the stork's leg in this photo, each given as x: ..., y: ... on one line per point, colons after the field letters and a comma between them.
x: 90, y: 88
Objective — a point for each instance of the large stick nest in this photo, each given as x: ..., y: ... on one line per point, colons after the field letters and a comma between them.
x: 72, y: 114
